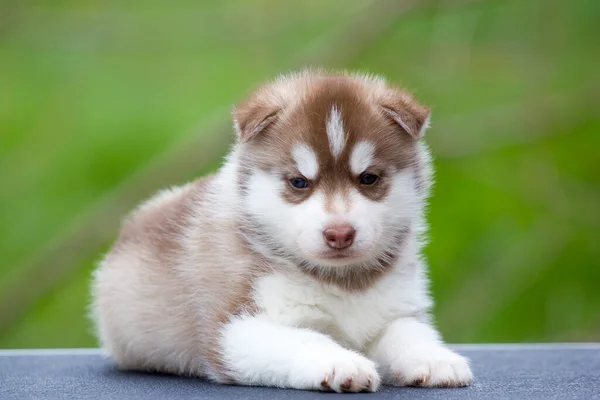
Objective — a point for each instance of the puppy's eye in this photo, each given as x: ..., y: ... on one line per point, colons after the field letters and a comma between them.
x: 299, y: 183
x: 368, y: 179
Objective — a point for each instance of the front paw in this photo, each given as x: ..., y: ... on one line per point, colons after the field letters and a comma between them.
x: 349, y: 372
x: 431, y: 367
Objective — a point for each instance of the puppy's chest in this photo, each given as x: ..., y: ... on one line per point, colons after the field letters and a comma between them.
x: 352, y: 319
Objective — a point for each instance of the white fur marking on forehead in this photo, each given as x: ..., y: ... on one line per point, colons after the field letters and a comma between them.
x: 362, y: 157
x: 306, y: 161
x: 335, y: 132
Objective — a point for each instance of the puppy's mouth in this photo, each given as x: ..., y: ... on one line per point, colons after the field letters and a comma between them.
x: 340, y: 256
x: 337, y: 255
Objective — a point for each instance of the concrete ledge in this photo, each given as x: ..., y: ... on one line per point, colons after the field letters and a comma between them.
x: 557, y: 371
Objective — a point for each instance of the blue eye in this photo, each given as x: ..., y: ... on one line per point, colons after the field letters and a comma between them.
x: 299, y: 183
x: 368, y: 179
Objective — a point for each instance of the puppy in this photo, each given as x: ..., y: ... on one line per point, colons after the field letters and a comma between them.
x: 298, y: 264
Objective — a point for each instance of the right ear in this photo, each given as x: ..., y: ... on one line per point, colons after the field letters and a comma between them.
x: 404, y: 110
x: 252, y: 118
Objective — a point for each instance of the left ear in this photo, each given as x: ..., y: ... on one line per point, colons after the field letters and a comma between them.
x: 401, y: 108
x: 254, y: 117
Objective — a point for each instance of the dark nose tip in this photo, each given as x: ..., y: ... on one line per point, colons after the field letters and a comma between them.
x: 339, y: 236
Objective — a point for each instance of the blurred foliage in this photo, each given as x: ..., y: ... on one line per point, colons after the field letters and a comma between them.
x: 91, y: 92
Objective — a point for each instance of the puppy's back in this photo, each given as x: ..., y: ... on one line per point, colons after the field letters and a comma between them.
x: 169, y: 282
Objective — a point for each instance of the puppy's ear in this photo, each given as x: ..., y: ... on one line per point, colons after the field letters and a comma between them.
x: 405, y: 111
x: 253, y: 117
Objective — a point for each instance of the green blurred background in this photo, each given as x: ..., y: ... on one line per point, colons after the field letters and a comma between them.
x: 103, y: 102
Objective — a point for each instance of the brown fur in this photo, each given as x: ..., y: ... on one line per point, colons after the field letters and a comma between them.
x: 306, y: 123
x: 154, y: 232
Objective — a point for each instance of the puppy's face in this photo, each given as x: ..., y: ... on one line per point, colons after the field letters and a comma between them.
x: 331, y: 169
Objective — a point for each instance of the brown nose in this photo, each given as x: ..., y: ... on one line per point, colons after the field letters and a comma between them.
x: 339, y: 236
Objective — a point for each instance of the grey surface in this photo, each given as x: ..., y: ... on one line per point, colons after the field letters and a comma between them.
x: 501, y: 372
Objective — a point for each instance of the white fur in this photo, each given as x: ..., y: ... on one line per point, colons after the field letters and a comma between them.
x: 352, y: 320
x: 299, y: 228
x: 306, y: 161
x: 335, y: 132
x: 361, y: 157
x: 411, y: 351
x: 259, y: 352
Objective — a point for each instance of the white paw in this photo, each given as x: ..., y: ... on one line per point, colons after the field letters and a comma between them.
x: 432, y: 367
x: 348, y: 372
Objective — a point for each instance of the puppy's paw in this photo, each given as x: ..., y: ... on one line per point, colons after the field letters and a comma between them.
x: 350, y: 372
x: 433, y: 367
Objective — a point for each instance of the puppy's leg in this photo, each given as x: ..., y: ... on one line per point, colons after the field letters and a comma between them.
x: 258, y: 352
x: 410, y: 352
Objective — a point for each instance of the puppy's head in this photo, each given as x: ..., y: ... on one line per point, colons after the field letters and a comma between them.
x: 331, y: 168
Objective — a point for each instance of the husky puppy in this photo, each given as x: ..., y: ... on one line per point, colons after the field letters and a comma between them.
x: 298, y: 263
